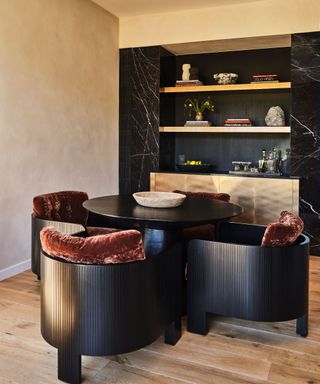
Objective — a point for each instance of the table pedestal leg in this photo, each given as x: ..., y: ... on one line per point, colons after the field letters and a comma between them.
x: 158, y: 240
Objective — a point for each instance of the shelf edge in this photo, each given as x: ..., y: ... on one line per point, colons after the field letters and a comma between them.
x: 215, y: 129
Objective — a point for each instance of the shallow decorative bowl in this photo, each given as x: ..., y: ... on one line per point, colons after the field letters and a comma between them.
x: 159, y: 199
x: 225, y: 78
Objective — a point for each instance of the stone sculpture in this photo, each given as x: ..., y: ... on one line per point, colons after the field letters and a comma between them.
x: 275, y: 117
x: 186, y: 72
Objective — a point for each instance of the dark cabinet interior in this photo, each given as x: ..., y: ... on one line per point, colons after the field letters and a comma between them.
x: 220, y: 149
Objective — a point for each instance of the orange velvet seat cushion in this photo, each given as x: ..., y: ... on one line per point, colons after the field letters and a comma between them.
x: 203, y: 232
x: 209, y: 195
x: 112, y: 248
x: 206, y: 231
x: 283, y: 233
x: 61, y: 206
x: 95, y: 231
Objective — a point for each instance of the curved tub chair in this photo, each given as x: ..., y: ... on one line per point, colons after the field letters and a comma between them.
x: 235, y: 276
x: 108, y: 309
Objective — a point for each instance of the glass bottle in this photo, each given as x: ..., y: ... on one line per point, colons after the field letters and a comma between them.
x: 286, y: 163
x: 263, y: 162
x: 270, y: 162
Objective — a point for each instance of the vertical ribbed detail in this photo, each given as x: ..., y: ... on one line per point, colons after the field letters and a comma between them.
x: 108, y: 309
x: 248, y: 282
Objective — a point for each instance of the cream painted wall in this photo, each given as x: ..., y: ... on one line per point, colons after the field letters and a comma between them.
x: 260, y: 18
x: 58, y: 108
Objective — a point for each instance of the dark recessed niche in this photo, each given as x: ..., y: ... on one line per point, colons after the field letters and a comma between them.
x: 244, y: 63
x: 222, y: 149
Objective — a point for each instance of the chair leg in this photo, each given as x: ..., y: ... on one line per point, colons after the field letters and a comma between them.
x: 302, y: 326
x: 197, y: 323
x: 69, y: 366
x: 173, y: 332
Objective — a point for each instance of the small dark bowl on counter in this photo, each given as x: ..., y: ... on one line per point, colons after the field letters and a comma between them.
x: 195, y: 167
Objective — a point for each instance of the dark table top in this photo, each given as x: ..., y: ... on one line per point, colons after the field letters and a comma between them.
x: 193, y: 211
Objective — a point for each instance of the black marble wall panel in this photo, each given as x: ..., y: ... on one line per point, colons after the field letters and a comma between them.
x: 305, y: 128
x: 139, y: 117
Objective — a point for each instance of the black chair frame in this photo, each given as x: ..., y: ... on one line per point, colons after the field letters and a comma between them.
x: 110, y: 309
x: 235, y: 277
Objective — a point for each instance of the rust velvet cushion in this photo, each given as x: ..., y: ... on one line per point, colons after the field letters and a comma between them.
x: 206, y: 231
x: 209, y: 195
x: 283, y: 233
x: 113, y: 248
x: 95, y: 231
x: 61, y: 206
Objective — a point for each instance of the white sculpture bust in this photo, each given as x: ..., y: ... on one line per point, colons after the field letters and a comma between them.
x: 186, y: 72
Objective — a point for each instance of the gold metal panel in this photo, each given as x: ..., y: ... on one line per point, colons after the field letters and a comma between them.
x: 295, y: 196
x: 167, y: 182
x: 271, y: 197
x: 202, y: 183
x: 261, y: 198
x: 152, y: 181
x: 241, y: 190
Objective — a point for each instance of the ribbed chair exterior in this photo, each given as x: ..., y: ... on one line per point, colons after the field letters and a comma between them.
x: 235, y: 276
x: 108, y: 309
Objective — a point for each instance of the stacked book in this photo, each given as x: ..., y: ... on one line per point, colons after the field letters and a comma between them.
x: 271, y: 78
x: 197, y: 123
x: 237, y: 123
x: 188, y: 83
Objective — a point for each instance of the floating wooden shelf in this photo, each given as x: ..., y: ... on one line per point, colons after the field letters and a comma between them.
x: 226, y: 129
x: 228, y: 87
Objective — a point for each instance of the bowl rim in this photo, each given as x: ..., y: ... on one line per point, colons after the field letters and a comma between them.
x: 173, y: 195
x: 225, y: 73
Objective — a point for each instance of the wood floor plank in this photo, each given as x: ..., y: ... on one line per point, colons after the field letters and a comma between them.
x: 209, y: 356
x: 248, y: 350
x: 118, y: 372
x: 281, y: 374
x: 181, y: 369
x: 234, y: 352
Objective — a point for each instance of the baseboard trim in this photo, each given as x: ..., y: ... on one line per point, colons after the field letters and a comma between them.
x: 15, y: 269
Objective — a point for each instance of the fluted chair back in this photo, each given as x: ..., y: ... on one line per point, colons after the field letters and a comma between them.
x: 101, y: 296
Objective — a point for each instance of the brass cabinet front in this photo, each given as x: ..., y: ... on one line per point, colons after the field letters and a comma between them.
x: 167, y: 182
x: 261, y: 198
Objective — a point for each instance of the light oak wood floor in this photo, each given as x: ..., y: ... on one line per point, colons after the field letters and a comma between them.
x: 233, y: 352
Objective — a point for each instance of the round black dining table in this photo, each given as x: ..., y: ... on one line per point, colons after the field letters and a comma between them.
x: 161, y: 227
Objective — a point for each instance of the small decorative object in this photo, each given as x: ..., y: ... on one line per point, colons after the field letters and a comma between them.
x: 193, y: 105
x: 273, y: 78
x: 195, y: 166
x: 198, y: 123
x: 238, y: 123
x: 159, y: 199
x: 189, y: 76
x: 182, y: 158
x: 241, y: 167
x: 275, y: 117
x: 186, y: 72
x: 225, y: 78
x: 188, y: 83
